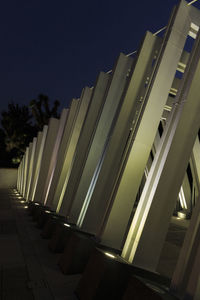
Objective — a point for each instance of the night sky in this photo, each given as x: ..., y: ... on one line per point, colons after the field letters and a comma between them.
x: 58, y: 47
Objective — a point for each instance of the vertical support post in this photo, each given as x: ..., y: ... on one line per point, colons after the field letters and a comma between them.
x: 45, y: 158
x: 54, y: 157
x: 151, y: 220
x: 26, y: 155
x: 133, y: 104
x: 111, y: 108
x: 37, y: 161
x: 61, y: 152
x: 87, y: 133
x: 30, y: 168
x: 70, y: 149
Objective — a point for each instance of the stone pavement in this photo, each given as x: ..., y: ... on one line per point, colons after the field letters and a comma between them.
x: 28, y: 269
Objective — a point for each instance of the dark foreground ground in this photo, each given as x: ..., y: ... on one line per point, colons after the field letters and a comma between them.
x: 28, y: 270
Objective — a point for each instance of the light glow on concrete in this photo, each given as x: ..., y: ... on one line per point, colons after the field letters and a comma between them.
x: 67, y: 225
x: 110, y: 255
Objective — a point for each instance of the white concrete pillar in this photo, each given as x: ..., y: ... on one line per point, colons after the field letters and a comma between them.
x: 62, y: 149
x: 19, y: 175
x: 28, y: 168
x: 185, y: 280
x: 37, y: 161
x: 49, y: 144
x: 112, y: 220
x: 22, y: 175
x: 111, y: 107
x: 26, y: 155
x: 70, y: 149
x: 88, y: 130
x: 151, y: 220
x: 32, y: 151
x: 133, y: 103
x: 54, y: 157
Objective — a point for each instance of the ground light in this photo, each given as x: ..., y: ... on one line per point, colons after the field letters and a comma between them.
x: 67, y: 225
x: 109, y: 255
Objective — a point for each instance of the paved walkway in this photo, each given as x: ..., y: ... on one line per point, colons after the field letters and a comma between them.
x: 28, y: 269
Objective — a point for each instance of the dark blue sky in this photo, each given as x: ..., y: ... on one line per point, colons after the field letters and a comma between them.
x: 58, y: 47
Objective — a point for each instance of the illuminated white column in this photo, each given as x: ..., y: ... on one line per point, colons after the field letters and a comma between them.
x: 26, y: 155
x: 32, y: 153
x: 70, y: 149
x: 112, y: 203
x: 49, y: 144
x: 186, y: 275
x: 134, y: 101
x: 186, y: 278
x: 28, y: 168
x: 54, y: 157
x: 37, y: 161
x: 89, y: 127
x: 19, y: 176
x: 62, y: 149
x: 151, y: 220
x: 114, y: 95
x: 22, y: 175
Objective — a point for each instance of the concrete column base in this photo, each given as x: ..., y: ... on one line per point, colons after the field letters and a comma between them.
x: 138, y: 290
x: 59, y: 238
x: 38, y: 210
x: 103, y: 278
x: 50, y: 226
x: 76, y: 253
x: 106, y: 277
x: 32, y: 206
x: 43, y: 218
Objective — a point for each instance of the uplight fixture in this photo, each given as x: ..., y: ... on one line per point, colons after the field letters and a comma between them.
x: 110, y: 255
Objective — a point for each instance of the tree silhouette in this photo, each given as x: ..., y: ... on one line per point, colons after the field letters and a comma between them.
x: 41, y: 110
x: 17, y: 128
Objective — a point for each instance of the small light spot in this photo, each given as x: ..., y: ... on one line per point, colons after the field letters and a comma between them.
x: 110, y: 255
